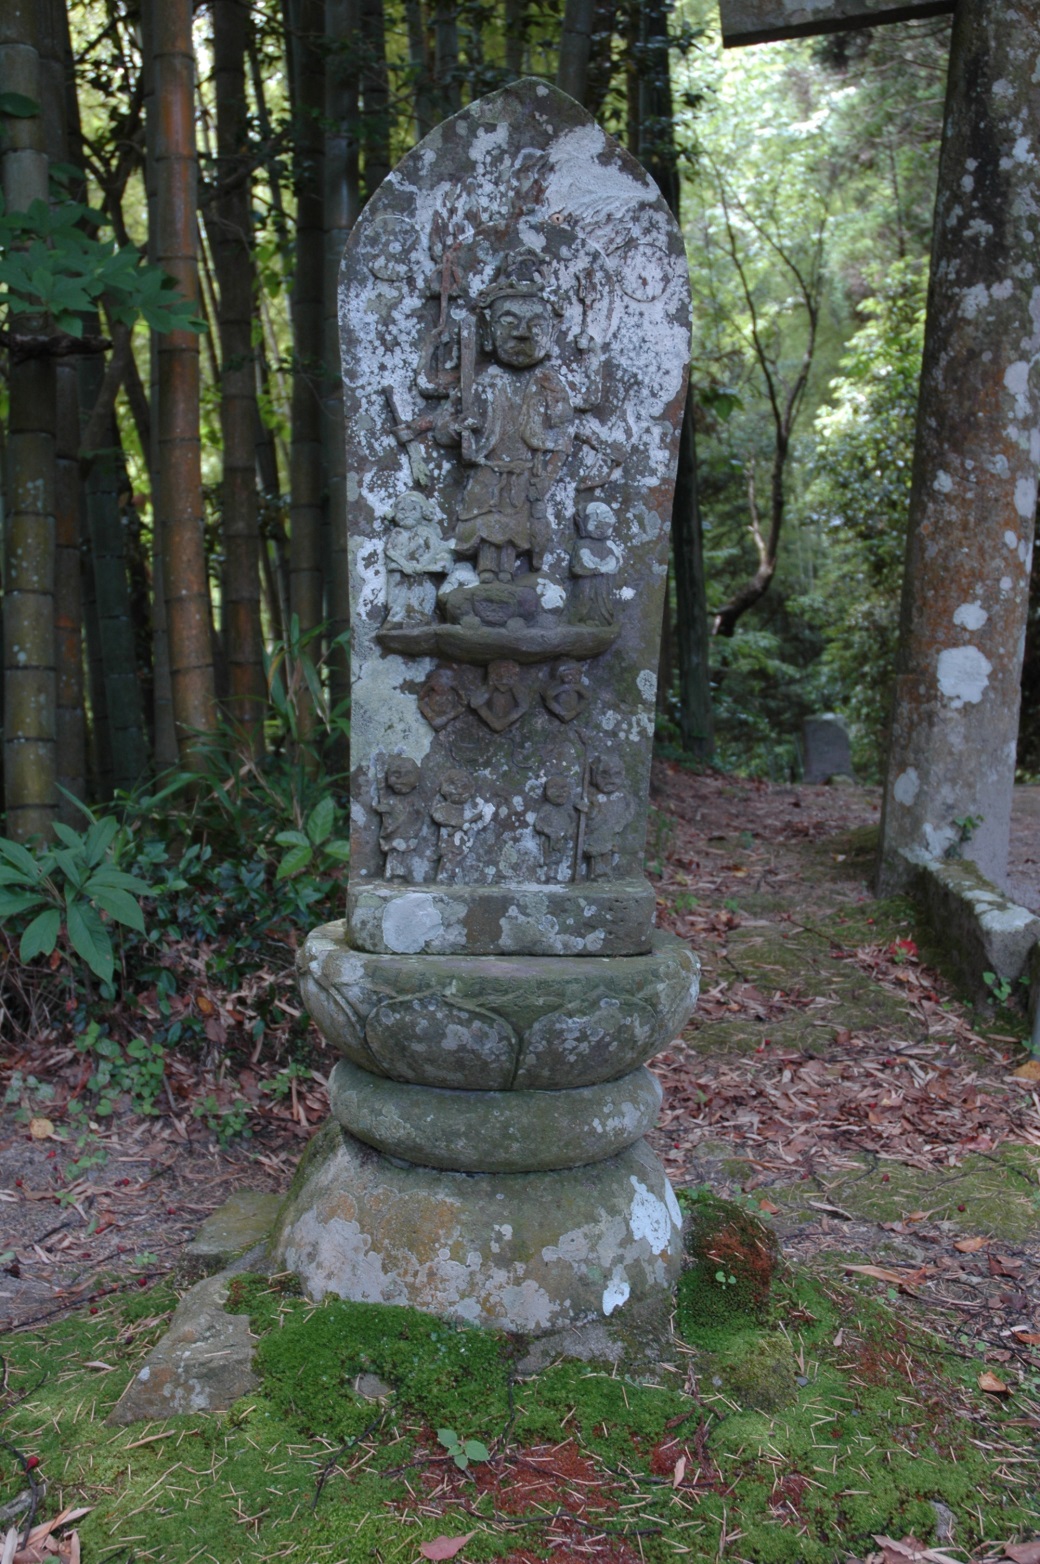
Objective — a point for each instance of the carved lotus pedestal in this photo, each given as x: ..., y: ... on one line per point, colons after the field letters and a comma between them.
x: 515, y: 325
x: 486, y: 1159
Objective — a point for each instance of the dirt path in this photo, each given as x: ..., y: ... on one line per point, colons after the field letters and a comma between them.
x: 831, y: 1074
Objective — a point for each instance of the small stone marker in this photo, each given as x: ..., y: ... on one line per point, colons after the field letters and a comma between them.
x: 767, y: 21
x: 825, y: 746
x: 515, y: 323
x: 204, y: 1363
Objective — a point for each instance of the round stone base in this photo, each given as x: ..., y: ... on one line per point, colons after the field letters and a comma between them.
x: 494, y: 1132
x: 586, y: 1258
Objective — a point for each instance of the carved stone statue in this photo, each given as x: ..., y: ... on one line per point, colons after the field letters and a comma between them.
x: 515, y: 328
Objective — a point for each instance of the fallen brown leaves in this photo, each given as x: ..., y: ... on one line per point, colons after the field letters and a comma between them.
x: 42, y: 1546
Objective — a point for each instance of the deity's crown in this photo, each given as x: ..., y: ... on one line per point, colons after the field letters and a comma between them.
x: 520, y: 275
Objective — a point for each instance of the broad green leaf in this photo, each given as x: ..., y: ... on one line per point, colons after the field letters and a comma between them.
x: 292, y: 839
x: 41, y: 936
x: 90, y: 940
x: 293, y: 862
x: 100, y: 838
x: 120, y: 906
x: 338, y: 848
x: 109, y: 879
x: 14, y: 902
x: 320, y: 820
x: 15, y: 853
x: 66, y: 834
x: 18, y: 106
x: 72, y: 866
x: 476, y: 1451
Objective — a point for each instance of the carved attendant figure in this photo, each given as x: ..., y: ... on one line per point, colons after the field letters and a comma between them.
x: 503, y: 699
x: 414, y: 551
x: 402, y: 815
x: 609, y: 811
x: 458, y: 814
x: 555, y: 821
x: 595, y: 558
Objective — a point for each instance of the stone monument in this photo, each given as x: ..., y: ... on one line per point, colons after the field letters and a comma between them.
x: 515, y: 325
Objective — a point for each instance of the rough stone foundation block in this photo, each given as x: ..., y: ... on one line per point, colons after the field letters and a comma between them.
x: 243, y: 1221
x: 494, y: 1132
x: 592, y: 1252
x: 202, y: 1364
x: 488, y: 1023
x: 984, y: 929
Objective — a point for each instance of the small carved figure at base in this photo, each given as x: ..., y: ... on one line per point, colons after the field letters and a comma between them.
x: 565, y: 695
x: 458, y: 814
x: 402, y: 815
x: 595, y: 558
x: 503, y: 700
x: 440, y: 699
x: 609, y: 812
x: 555, y: 823
x: 414, y: 552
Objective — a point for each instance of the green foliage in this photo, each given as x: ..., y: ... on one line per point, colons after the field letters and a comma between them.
x: 227, y: 1124
x: 462, y: 1451
x: 314, y: 841
x: 70, y: 889
x: 137, y: 1069
x: 53, y: 262
x: 859, y: 497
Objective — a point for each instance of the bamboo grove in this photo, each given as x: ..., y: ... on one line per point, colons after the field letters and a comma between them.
x: 178, y: 184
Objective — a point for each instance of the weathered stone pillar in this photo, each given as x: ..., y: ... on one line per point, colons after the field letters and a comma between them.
x: 515, y: 323
x: 952, y: 754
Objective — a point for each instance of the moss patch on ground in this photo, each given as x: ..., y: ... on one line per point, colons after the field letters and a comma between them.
x: 806, y: 1433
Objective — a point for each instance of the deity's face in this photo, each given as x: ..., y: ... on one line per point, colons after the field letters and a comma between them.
x: 502, y: 676
x: 456, y: 787
x: 558, y: 790
x: 402, y: 774
x: 608, y: 774
x: 599, y: 520
x: 410, y: 510
x: 521, y: 331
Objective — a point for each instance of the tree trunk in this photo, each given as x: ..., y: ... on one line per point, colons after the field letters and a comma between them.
x: 307, y: 26
x: 692, y: 635
x: 178, y: 492
x: 342, y: 203
x: 448, y: 94
x: 516, y: 36
x: 572, y: 72
x: 70, y: 718
x: 375, y: 95
x: 230, y: 229
x: 974, y: 489
x: 164, y: 728
x: 30, y: 675
x: 419, y: 67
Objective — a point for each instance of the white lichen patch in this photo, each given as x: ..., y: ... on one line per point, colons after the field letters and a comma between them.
x: 650, y: 1219
x: 970, y: 616
x: 963, y: 673
x: 411, y: 923
x: 906, y: 787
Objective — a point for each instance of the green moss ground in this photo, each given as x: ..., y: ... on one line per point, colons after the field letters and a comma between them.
x: 808, y: 1433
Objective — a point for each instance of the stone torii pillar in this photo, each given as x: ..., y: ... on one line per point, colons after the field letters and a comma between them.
x: 951, y: 760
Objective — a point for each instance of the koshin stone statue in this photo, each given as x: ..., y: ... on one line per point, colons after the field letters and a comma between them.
x: 515, y: 328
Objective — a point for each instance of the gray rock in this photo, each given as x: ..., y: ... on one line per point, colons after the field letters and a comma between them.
x: 825, y: 746
x: 493, y: 1024
x: 494, y: 1132
x: 239, y: 1225
x: 202, y: 1364
x: 538, y: 1253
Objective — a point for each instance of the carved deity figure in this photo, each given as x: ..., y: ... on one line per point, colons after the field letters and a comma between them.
x: 565, y: 695
x: 595, y: 558
x: 440, y: 699
x: 555, y: 822
x: 459, y: 814
x: 513, y: 420
x: 402, y: 815
x: 503, y: 699
x: 609, y: 810
x: 414, y: 552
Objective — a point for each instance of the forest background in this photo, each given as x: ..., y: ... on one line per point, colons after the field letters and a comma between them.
x: 179, y: 182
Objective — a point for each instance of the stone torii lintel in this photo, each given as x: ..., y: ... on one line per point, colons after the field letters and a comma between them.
x: 769, y: 21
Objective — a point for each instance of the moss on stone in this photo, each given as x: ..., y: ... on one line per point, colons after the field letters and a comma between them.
x: 731, y: 1258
